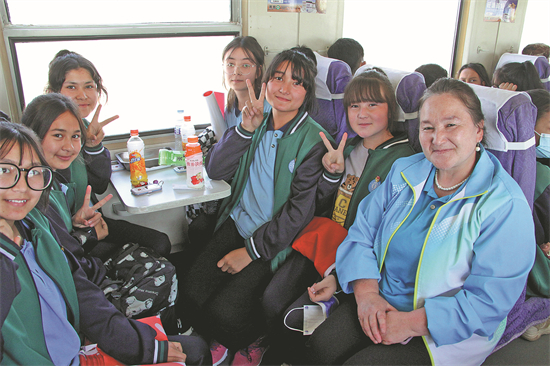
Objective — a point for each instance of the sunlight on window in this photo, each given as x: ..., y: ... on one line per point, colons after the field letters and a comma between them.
x: 148, y: 80
x: 409, y: 34
x: 535, y: 27
x: 71, y: 12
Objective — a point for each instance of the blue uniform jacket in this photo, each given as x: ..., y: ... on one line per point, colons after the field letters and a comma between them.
x: 474, y: 261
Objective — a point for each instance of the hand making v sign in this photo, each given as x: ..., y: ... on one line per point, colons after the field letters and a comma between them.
x: 253, y: 111
x: 87, y: 216
x: 95, y: 132
x: 333, y: 160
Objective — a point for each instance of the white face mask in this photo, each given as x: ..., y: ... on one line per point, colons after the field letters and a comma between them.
x: 314, y: 315
x: 543, y: 150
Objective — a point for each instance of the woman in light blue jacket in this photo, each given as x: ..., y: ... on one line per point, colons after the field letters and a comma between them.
x: 438, y: 255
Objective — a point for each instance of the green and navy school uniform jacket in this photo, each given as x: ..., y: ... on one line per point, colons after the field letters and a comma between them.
x: 297, y: 170
x: 59, y: 212
x: 376, y: 168
x: 92, y: 167
x: 22, y: 329
x: 9, y: 288
x: 473, y: 263
x: 90, y: 313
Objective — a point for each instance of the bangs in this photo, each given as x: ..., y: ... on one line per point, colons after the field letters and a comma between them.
x: 298, y: 73
x: 302, y: 70
x: 299, y: 64
x: 25, y: 146
x: 6, y: 145
x: 364, y: 90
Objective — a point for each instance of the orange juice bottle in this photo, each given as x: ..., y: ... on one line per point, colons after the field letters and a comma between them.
x: 136, y: 149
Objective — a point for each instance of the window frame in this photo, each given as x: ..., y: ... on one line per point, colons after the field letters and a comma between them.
x: 14, y: 34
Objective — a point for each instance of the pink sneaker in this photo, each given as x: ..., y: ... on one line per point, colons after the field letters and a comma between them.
x: 251, y: 355
x: 219, y: 353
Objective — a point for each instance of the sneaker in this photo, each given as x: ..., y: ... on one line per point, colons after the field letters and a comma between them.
x: 533, y: 333
x: 251, y: 355
x: 219, y: 353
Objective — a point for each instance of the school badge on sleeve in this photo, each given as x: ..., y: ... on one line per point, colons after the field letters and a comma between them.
x: 291, y: 165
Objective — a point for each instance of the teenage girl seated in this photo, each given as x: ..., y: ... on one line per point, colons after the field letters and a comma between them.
x: 243, y: 59
x: 52, y: 305
x: 274, y: 162
x: 76, y: 77
x: 352, y: 171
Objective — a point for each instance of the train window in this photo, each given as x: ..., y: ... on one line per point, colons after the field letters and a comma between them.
x: 155, y: 58
x: 147, y: 79
x: 71, y: 12
x: 409, y: 34
x: 535, y: 26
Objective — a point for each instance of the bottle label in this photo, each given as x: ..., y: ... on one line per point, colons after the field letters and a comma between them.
x: 195, y: 178
x: 138, y: 174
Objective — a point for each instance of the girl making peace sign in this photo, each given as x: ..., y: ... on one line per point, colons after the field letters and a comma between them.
x: 274, y: 163
x: 355, y: 169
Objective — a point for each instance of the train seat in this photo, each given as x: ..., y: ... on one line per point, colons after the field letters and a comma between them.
x: 409, y: 87
x: 510, y: 123
x: 540, y: 62
x: 331, y: 80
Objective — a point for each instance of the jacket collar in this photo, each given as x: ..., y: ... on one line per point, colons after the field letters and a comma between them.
x: 479, y: 182
x: 7, y: 246
x: 296, y: 122
x: 354, y: 141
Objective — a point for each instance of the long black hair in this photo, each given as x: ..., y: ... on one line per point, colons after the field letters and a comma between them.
x: 303, y: 70
x: 65, y: 61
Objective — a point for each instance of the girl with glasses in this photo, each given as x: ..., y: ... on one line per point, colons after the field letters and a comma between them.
x: 47, y: 303
x: 243, y: 59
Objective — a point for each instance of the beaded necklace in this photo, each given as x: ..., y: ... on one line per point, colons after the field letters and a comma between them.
x: 449, y: 188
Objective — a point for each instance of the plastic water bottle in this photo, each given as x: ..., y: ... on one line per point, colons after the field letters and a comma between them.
x: 136, y: 156
x: 187, y: 129
x: 193, y: 161
x: 177, y: 131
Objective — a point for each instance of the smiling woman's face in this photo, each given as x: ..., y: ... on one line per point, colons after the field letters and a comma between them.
x: 448, y: 134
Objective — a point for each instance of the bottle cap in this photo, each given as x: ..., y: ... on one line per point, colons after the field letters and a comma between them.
x: 192, y: 139
x: 187, y: 118
x: 134, y: 132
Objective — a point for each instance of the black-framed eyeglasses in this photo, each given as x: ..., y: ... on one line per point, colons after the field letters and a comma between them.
x: 231, y: 68
x: 38, y: 177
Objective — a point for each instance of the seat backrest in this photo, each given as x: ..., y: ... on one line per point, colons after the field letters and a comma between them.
x: 510, y: 119
x: 409, y: 87
x: 540, y: 62
x: 331, y: 80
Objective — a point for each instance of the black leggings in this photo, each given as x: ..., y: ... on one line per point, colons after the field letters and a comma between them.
x: 341, y: 340
x: 122, y: 232
x: 195, y: 348
x: 219, y: 305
